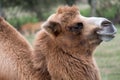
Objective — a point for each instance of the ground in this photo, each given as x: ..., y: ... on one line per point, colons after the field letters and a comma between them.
x: 107, y: 56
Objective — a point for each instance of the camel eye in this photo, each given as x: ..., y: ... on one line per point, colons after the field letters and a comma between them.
x: 80, y: 25
x: 77, y: 27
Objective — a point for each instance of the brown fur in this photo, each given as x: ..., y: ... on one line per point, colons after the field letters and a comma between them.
x: 63, y: 54
x: 15, y: 53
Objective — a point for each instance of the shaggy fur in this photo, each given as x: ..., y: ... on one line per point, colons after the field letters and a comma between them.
x: 15, y: 53
x: 64, y: 52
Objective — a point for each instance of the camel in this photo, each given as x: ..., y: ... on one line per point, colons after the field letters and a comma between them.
x: 63, y: 48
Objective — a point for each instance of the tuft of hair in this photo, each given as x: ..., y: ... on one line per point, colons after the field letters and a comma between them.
x: 68, y: 9
x: 68, y: 13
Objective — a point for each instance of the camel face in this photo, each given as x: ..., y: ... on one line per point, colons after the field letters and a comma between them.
x: 70, y: 28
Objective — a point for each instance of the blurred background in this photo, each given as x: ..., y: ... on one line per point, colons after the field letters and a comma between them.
x: 27, y: 16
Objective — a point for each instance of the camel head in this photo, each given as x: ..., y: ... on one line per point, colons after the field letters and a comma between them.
x: 69, y: 28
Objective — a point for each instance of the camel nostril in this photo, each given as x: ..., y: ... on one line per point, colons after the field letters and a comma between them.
x: 106, y: 23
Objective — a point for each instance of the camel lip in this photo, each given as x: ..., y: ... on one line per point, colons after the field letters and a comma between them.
x: 106, y: 36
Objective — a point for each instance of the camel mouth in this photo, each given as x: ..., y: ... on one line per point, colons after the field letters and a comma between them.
x: 107, y: 32
x: 106, y: 37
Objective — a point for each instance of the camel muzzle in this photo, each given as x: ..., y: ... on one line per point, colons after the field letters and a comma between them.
x: 107, y: 31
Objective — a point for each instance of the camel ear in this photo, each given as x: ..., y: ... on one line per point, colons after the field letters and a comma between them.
x: 52, y: 28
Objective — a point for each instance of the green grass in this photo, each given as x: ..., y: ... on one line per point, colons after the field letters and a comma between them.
x: 85, y: 12
x: 107, y: 56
